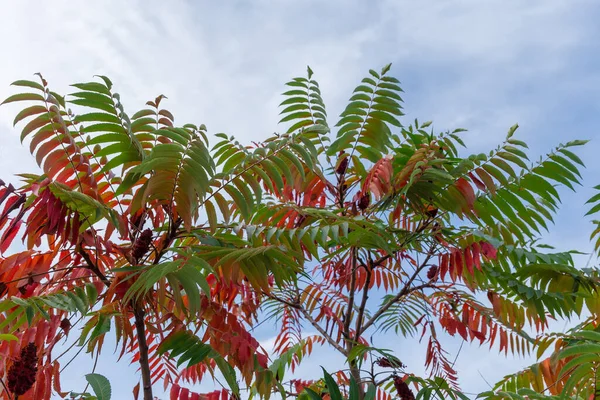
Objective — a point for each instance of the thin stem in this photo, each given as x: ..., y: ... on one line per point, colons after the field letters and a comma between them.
x: 93, y: 370
x: 74, y: 357
x: 44, y: 273
x: 4, y: 386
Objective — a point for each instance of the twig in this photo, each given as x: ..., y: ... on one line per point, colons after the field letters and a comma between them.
x: 405, y: 290
x: 93, y: 370
x: 94, y: 268
x: 4, y: 386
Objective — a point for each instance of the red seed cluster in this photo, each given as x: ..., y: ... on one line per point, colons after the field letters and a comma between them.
x: 403, y: 390
x: 432, y: 272
x: 142, y: 244
x: 385, y: 362
x: 364, y: 201
x: 21, y: 374
x: 65, y: 325
x: 342, y: 163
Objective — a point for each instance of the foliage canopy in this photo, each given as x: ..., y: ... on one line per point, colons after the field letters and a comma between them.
x: 138, y: 227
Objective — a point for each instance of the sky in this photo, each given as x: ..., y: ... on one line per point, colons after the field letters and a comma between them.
x: 483, y: 66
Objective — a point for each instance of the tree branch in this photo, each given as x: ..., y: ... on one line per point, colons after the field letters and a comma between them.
x: 94, y: 268
x: 322, y: 331
x: 310, y: 319
x: 348, y: 316
x: 139, y: 315
x: 363, y: 303
x: 140, y: 327
x: 354, y: 371
x: 405, y: 291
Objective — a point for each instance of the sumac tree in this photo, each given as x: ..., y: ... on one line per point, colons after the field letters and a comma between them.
x: 137, y: 227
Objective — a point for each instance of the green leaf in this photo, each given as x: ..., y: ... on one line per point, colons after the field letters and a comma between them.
x: 594, y: 209
x: 371, y: 392
x: 100, y: 385
x: 93, y: 87
x: 27, y: 83
x: 189, y: 347
x: 23, y: 97
x: 572, y: 156
x: 589, y: 335
x: 511, y: 131
x: 353, y: 393
x: 332, y: 387
x: 312, y: 394
x: 573, y: 143
x: 580, y: 349
x: 28, y: 112
x: 7, y: 337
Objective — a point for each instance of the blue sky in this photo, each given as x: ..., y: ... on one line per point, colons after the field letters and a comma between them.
x: 463, y: 63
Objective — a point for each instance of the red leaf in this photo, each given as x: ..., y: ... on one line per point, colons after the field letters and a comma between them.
x: 184, y: 394
x: 378, y: 180
x: 9, y: 235
x: 469, y: 260
x: 488, y: 250
x: 466, y: 190
x: 444, y: 266
x: 477, y: 182
x: 174, y: 393
x: 476, y: 255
